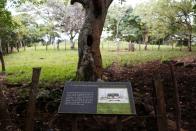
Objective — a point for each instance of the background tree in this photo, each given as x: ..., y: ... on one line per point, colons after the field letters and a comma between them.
x: 43, y: 21
x: 6, y: 26
x: 184, y: 17
x: 114, y: 19
x: 73, y: 21
x: 131, y: 27
x: 162, y: 24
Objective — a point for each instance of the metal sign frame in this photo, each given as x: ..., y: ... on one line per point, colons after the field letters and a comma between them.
x: 108, y: 98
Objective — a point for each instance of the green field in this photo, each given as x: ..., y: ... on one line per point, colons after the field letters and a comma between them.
x: 114, y: 108
x: 58, y: 66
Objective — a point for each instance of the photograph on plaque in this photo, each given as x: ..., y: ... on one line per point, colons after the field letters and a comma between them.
x: 111, y: 95
x: 113, y: 101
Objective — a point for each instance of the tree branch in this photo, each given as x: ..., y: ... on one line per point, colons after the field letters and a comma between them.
x: 108, y: 2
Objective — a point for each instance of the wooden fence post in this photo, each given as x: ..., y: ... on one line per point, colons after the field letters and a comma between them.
x: 177, y: 101
x: 32, y: 100
x: 160, y: 105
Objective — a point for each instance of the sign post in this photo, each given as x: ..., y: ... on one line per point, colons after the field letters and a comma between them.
x: 98, y: 98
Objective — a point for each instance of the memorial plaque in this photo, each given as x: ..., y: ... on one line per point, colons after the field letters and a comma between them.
x: 98, y: 98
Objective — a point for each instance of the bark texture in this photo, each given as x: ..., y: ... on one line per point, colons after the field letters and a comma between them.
x: 90, y: 61
x: 2, y: 61
x: 72, y: 44
x: 72, y: 36
x: 146, y: 40
x: 190, y: 42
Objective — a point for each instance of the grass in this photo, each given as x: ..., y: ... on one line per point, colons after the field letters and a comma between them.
x: 58, y: 66
x: 120, y: 108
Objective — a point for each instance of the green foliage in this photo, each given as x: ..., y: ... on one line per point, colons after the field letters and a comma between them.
x: 6, y: 23
x: 123, y: 24
x: 131, y: 26
x: 2, y: 3
x: 167, y: 18
x: 114, y: 17
x: 34, y: 23
x: 7, y: 26
x: 149, y: 14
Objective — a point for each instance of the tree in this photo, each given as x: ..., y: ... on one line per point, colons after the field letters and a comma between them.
x: 90, y: 61
x: 154, y: 25
x: 73, y: 21
x: 184, y: 16
x: 167, y: 18
x: 6, y: 25
x: 131, y: 26
x: 145, y: 13
x: 127, y: 27
x: 114, y: 19
x: 2, y: 61
x: 42, y: 20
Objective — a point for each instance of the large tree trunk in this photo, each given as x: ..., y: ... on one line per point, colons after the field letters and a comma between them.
x: 50, y: 40
x: 90, y: 61
x: 47, y: 43
x: 131, y: 47
x: 1, y: 58
x: 12, y: 48
x: 146, y: 46
x: 18, y: 46
x: 58, y: 42
x: 72, y: 36
x: 139, y: 46
x: 7, y: 48
x: 117, y: 33
x: 72, y: 44
x: 24, y: 45
x: 181, y: 45
x: 146, y: 40
x: 190, y: 42
x: 2, y: 61
x: 65, y: 44
x: 159, y: 45
x: 172, y: 46
x: 1, y: 49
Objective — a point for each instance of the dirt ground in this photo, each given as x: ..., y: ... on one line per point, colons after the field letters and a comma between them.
x: 141, y: 78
